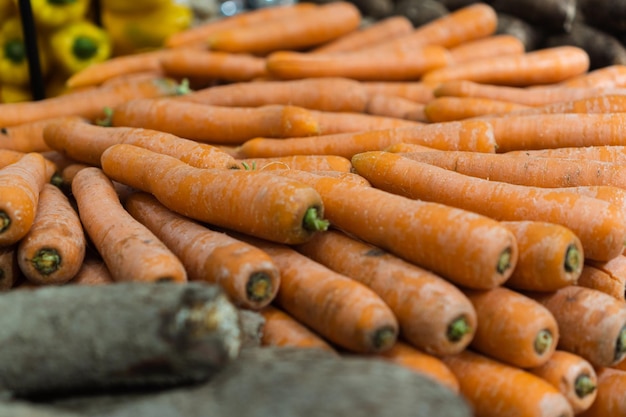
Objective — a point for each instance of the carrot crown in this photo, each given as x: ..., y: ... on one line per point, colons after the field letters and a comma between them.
x: 313, y: 222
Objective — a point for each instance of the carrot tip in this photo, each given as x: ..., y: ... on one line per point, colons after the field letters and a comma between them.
x: 5, y: 221
x: 584, y: 386
x: 259, y: 287
x: 384, y: 338
x: 313, y: 222
x: 458, y: 329
x: 504, y: 261
x: 543, y: 341
x: 46, y: 261
x: 573, y: 259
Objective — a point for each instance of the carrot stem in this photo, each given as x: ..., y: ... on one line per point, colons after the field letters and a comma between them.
x: 620, y: 346
x: 384, y: 338
x: 458, y: 329
x: 5, y: 221
x: 259, y: 287
x: 573, y: 258
x: 543, y: 342
x: 46, y: 261
x: 106, y: 121
x: 584, y: 385
x: 504, y: 262
x: 313, y: 222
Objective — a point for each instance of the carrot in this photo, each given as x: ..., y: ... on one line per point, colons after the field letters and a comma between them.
x: 411, y: 90
x: 254, y: 202
x: 342, y: 122
x: 396, y: 106
x: 327, y: 94
x: 54, y: 248
x: 130, y: 251
x: 542, y: 66
x: 215, y: 124
x: 607, y: 277
x: 610, y: 396
x: 474, y: 135
x: 610, y: 76
x: 89, y: 104
x: 592, y: 324
x: 308, y: 28
x: 420, y: 232
x: 404, y: 354
x: 9, y: 269
x: 573, y: 376
x: 531, y: 334
x: 495, y: 389
x: 93, y: 271
x: 212, y: 65
x: 384, y: 65
x: 380, y: 31
x: 140, y: 77
x: 85, y: 142
x: 444, y: 109
x: 8, y: 157
x: 602, y: 236
x: 615, y: 154
x: 608, y: 103
x: 445, y: 321
x: 199, y: 33
x: 20, y: 185
x: 302, y: 162
x: 402, y: 147
x: 281, y: 329
x: 246, y: 273
x: 28, y: 137
x: 495, y: 45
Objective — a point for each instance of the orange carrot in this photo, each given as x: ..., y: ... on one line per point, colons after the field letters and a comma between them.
x: 608, y: 153
x: 602, y: 236
x: 280, y: 329
x: 608, y: 103
x: 327, y: 94
x: 246, y: 273
x: 610, y: 395
x: 380, y: 31
x: 402, y: 147
x: 542, y: 66
x: 487, y: 47
x: 608, y: 277
x: 302, y: 162
x: 9, y: 269
x: 430, y: 366
x: 495, y: 389
x: 212, y: 65
x: 330, y: 123
x: 573, y: 376
x: 93, y: 271
x: 396, y: 106
x: 28, y: 137
x: 592, y: 324
x: 609, y: 76
x: 551, y: 256
x: 139, y: 77
x: 433, y: 314
x: 264, y: 205
x: 474, y: 135
x: 8, y: 157
x: 215, y: 124
x: 89, y: 104
x: 342, y: 310
x: 444, y: 109
x: 54, y: 248
x: 20, y: 185
x: 411, y: 90
x: 309, y: 27
x: 385, y: 65
x: 130, y: 251
x: 420, y: 232
x: 513, y: 328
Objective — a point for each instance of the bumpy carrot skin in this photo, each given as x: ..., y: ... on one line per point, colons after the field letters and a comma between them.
x: 270, y: 207
x: 608, y: 277
x: 93, y: 271
x: 445, y: 109
x: 301, y: 162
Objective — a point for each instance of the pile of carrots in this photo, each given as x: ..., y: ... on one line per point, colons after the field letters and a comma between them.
x: 432, y: 196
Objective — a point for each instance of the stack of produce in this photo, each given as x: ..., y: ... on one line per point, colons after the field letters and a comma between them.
x: 437, y: 197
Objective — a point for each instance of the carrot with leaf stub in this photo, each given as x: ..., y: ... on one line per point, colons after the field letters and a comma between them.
x: 9, y: 269
x: 610, y: 395
x: 608, y: 277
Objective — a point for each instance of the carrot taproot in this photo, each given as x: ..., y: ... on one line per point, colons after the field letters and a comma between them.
x: 412, y: 90
x: 512, y: 328
x: 592, y: 324
x: 8, y: 156
x: 130, y: 251
x: 54, y: 248
x: 330, y: 123
x: 20, y: 186
x: 573, y: 376
x: 470, y: 135
x: 609, y: 193
x: 610, y: 400
x: 602, y: 236
x: 28, y: 137
x: 542, y: 66
x: 445, y: 321
x: 608, y: 277
x: 215, y: 124
x: 199, y: 33
x: 141, y: 77
x: 501, y: 44
x: 606, y: 103
x: 447, y: 108
x: 93, y: 271
x: 610, y: 76
x: 495, y: 389
x: 403, y: 147
x: 403, y: 354
x: 308, y: 28
x: 420, y: 232
x: 326, y: 94
x: 246, y: 273
x: 281, y: 329
x: 379, y: 31
x: 264, y: 205
x: 89, y: 104
x: 301, y: 162
x: 385, y: 65
x: 395, y: 106
x: 551, y: 256
x: 212, y: 65
x: 343, y: 311
x: 10, y: 273
x: 85, y: 142
x: 615, y: 154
